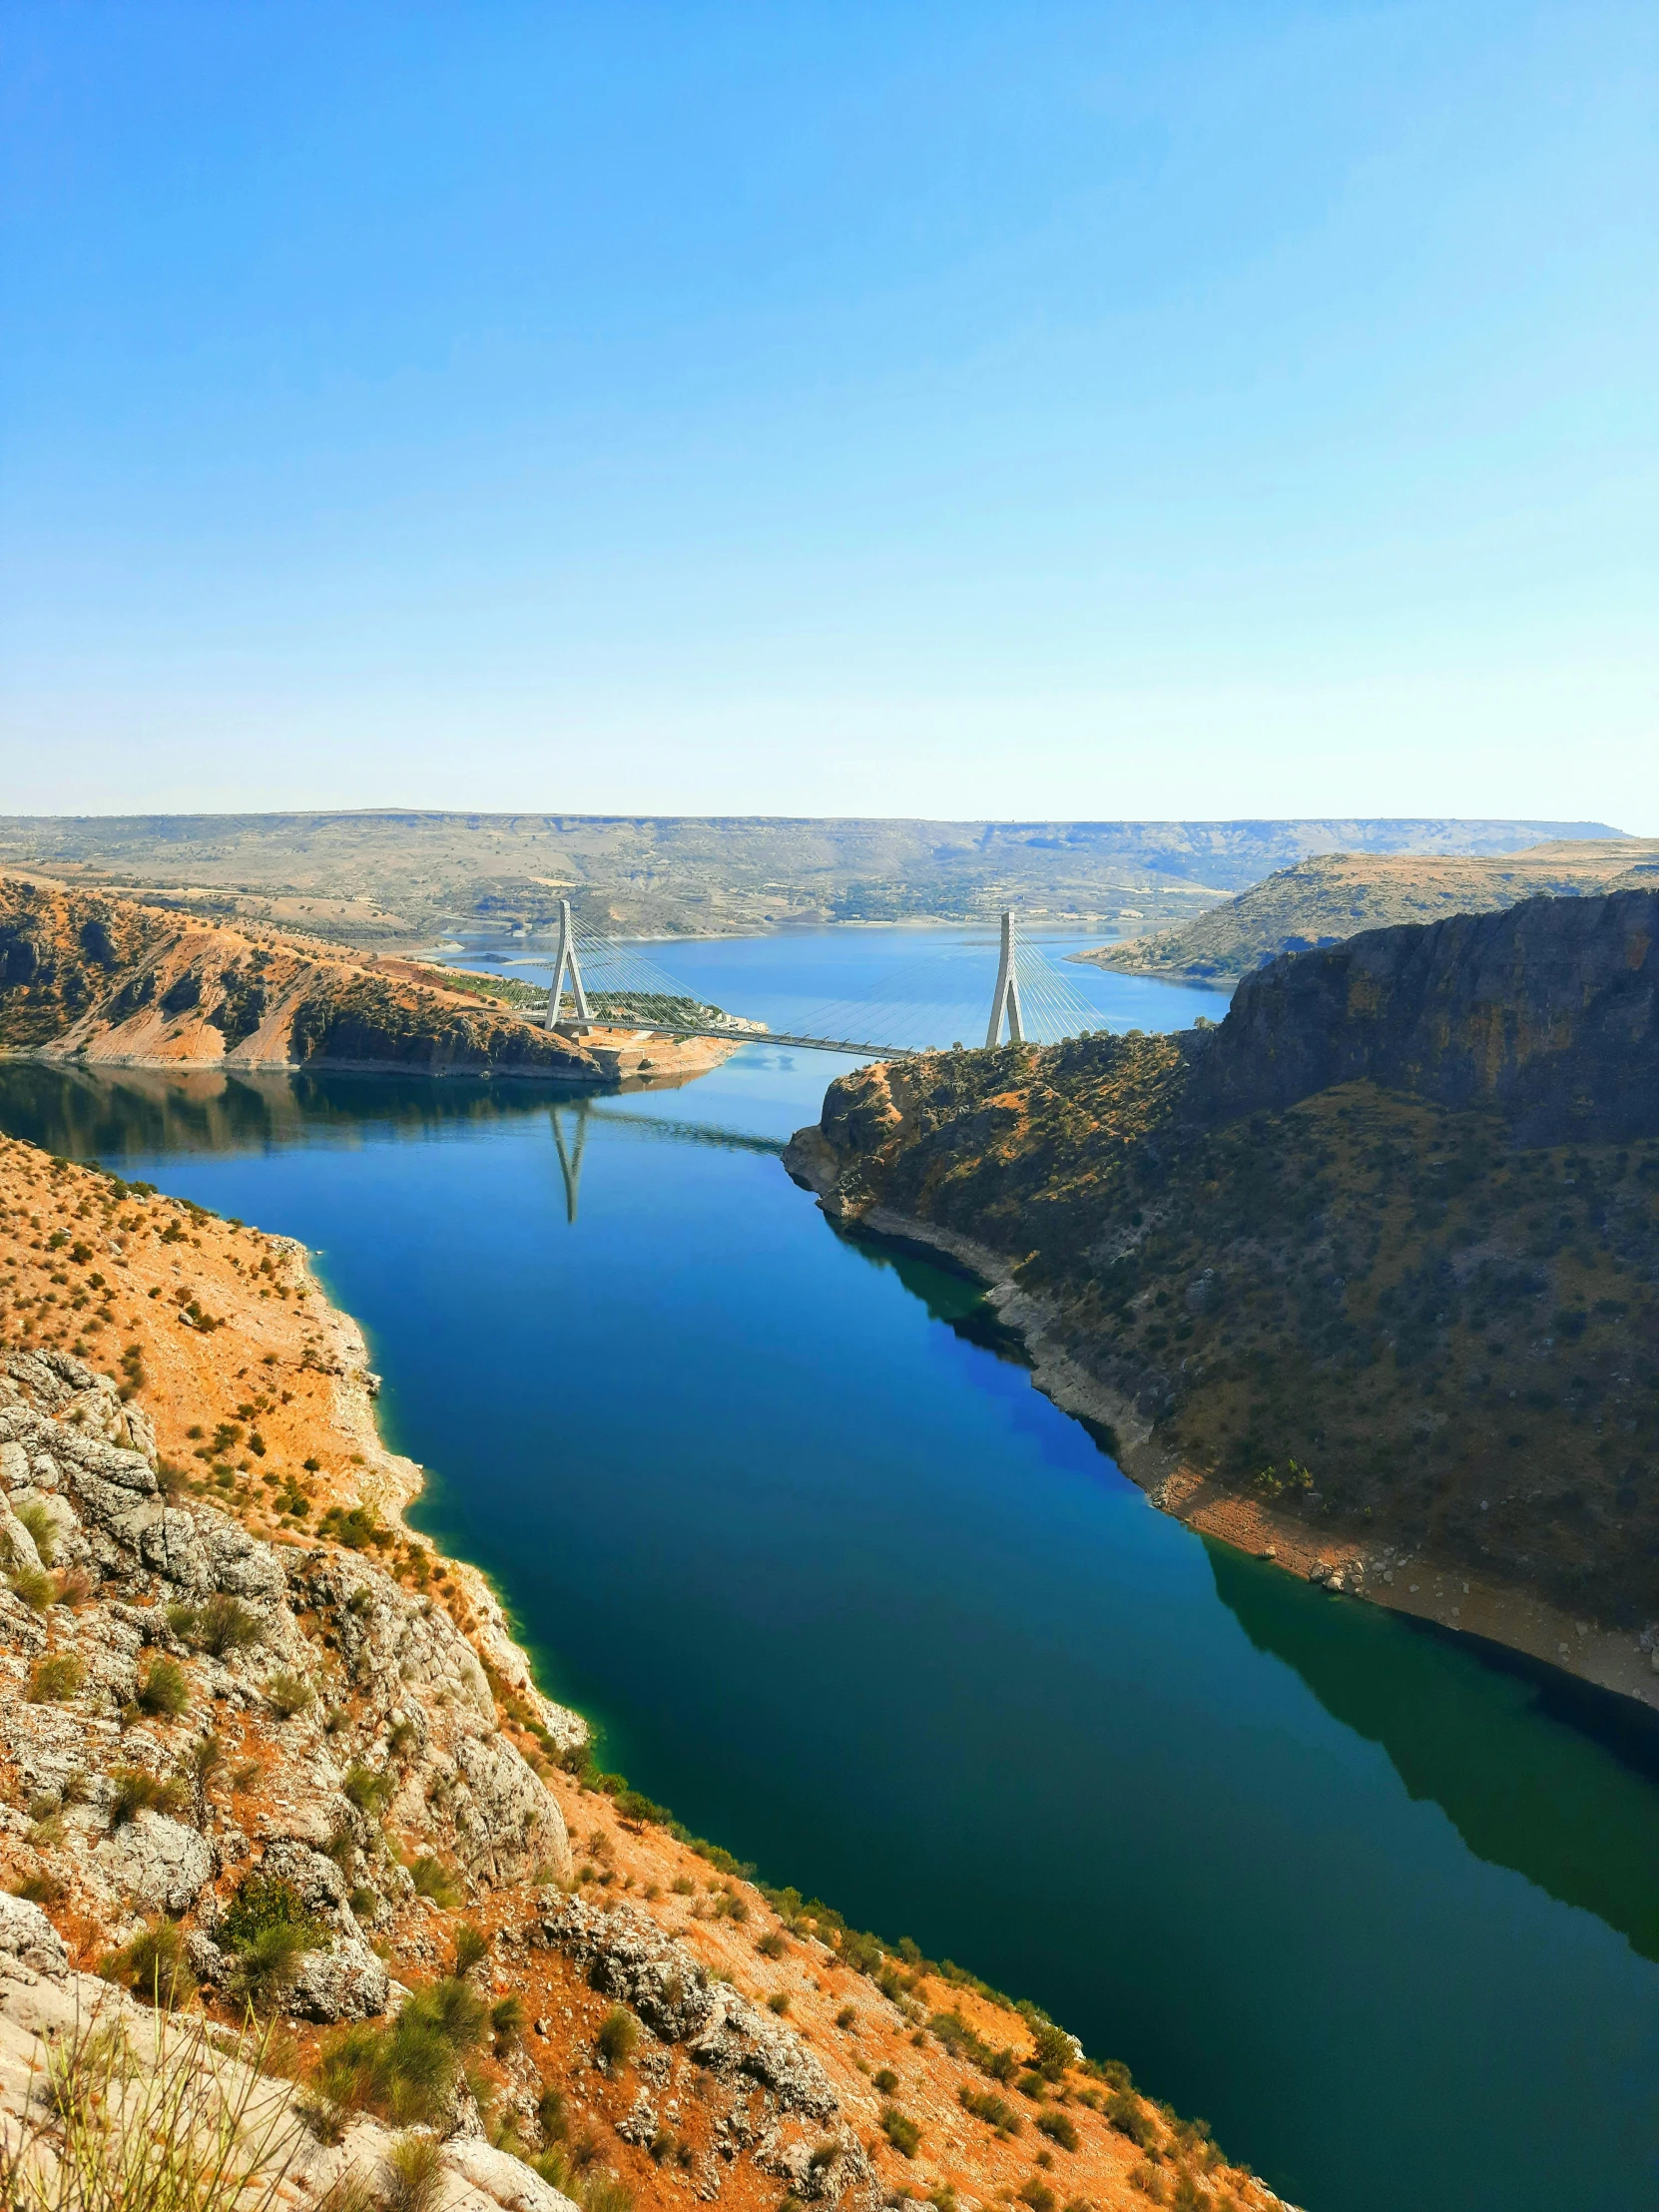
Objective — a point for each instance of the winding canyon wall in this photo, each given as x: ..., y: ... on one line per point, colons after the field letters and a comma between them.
x: 1548, y: 1012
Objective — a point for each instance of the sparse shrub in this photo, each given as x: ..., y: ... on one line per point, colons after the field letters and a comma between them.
x: 115, y: 2118
x: 618, y: 2033
x: 154, y: 1967
x: 205, y: 1756
x: 370, y: 1792
x: 684, y: 1885
x: 328, y: 2121
x: 847, y: 2017
x: 1037, y: 2194
x: 1032, y: 2084
x: 407, y: 2072
x: 1129, y: 2117
x: 886, y: 2080
x: 56, y: 1678
x: 772, y: 1945
x: 288, y: 1694
x: 412, y: 2177
x: 432, y: 1878
x: 221, y: 1626
x: 266, y: 1901
x: 551, y: 2115
x: 471, y: 1947
x: 602, y: 2192
x: 1058, y: 2128
x: 165, y: 1691
x: 995, y: 2112
x: 137, y: 1791
x: 38, y: 1521
x: 34, y: 1586
x: 779, y: 2002
x: 266, y: 1967
x: 1054, y: 2051
x: 39, y: 1889
x: 902, y: 2131
x: 507, y: 2022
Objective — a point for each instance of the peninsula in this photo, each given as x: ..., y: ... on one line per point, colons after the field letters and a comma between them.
x: 104, y: 982
x: 1365, y: 1279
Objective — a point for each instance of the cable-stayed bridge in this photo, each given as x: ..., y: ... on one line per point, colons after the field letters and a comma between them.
x: 601, y: 981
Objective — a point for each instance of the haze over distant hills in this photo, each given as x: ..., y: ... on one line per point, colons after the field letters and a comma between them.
x: 391, y: 875
x: 1334, y: 895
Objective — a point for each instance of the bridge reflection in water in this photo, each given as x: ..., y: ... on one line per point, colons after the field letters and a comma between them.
x: 570, y: 1121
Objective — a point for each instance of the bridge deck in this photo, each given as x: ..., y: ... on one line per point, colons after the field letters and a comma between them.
x: 747, y: 1036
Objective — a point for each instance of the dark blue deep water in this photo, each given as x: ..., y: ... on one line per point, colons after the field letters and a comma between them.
x: 859, y: 1604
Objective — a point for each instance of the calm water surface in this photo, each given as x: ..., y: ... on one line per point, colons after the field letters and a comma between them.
x: 857, y: 1603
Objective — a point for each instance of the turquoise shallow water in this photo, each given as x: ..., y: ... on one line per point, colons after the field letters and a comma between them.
x: 862, y: 1605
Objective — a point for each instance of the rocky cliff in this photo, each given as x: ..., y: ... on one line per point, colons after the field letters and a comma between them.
x: 269, y: 1762
x: 96, y: 978
x: 1548, y: 1012
x: 1368, y: 1273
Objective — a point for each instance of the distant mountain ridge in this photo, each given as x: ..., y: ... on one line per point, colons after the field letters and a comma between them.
x: 390, y: 874
x: 1334, y: 895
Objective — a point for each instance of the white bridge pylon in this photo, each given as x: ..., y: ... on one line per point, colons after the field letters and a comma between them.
x: 565, y: 964
x: 598, y: 982
x: 1005, y: 1005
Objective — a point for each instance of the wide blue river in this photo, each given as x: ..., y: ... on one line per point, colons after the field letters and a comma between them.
x: 858, y: 1603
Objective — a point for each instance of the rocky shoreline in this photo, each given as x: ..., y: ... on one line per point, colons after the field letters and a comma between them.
x: 1412, y: 1581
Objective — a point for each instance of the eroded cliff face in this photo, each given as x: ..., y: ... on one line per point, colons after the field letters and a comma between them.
x: 1548, y: 1012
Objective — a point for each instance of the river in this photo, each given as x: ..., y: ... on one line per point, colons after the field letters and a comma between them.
x: 862, y: 1606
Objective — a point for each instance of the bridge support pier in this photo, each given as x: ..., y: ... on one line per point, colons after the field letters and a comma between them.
x: 565, y: 963
x: 1006, y: 1001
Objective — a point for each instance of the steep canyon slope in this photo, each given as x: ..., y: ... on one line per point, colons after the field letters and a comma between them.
x: 88, y: 978
x: 1367, y: 1274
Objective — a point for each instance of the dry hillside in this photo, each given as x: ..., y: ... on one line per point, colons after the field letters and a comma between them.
x: 396, y: 875
x: 92, y: 978
x: 1323, y: 900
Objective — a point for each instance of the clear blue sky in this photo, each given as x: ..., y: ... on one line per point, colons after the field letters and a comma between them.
x: 1023, y: 409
